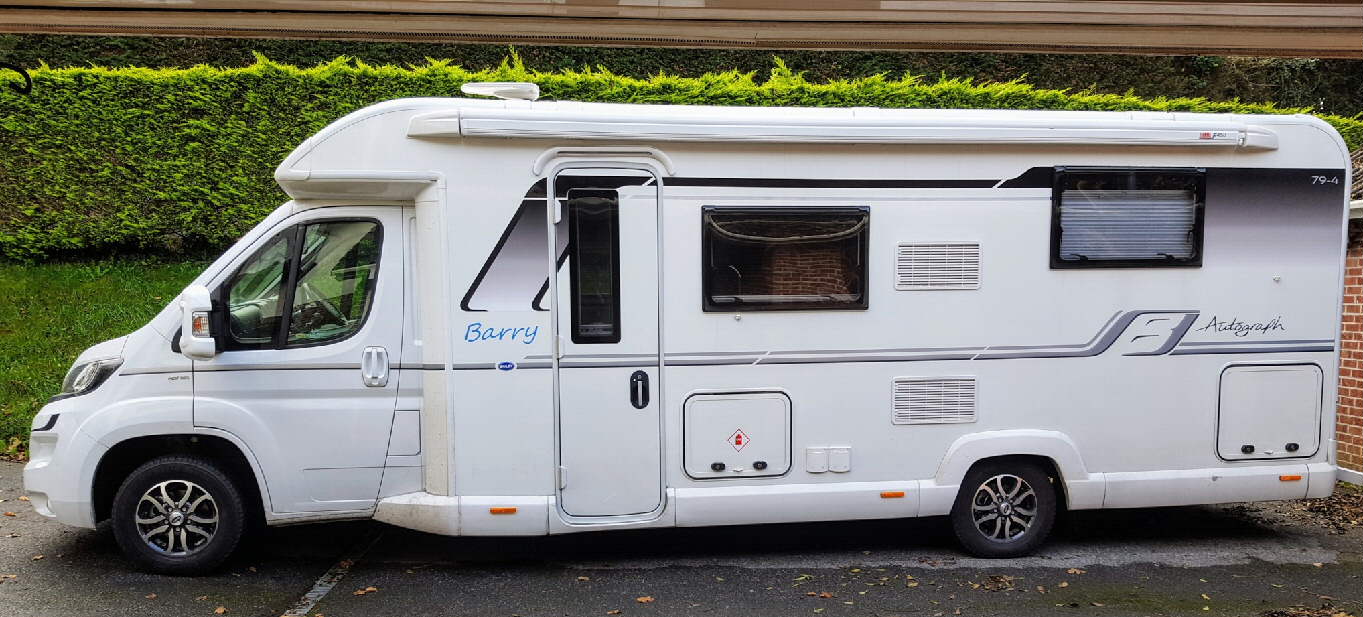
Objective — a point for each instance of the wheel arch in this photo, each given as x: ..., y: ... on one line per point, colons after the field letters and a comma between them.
x: 127, y: 455
x: 1078, y: 489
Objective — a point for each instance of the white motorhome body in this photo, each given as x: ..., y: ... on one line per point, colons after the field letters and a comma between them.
x: 754, y: 315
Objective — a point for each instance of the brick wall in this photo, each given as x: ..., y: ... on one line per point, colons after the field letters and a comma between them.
x: 810, y: 269
x: 1350, y: 414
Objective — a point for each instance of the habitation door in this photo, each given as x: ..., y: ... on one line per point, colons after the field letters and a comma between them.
x: 604, y: 224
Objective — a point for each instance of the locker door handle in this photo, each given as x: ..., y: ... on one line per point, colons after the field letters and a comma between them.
x: 638, y: 389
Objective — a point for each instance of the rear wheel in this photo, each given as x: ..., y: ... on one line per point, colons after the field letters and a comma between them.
x: 1004, y: 509
x: 178, y: 515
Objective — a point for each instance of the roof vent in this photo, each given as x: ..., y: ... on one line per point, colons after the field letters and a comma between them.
x: 507, y: 90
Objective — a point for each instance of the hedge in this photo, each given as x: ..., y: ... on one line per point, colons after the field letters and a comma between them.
x: 1327, y: 85
x: 99, y: 161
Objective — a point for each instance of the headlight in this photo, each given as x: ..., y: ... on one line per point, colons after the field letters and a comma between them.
x: 84, y: 377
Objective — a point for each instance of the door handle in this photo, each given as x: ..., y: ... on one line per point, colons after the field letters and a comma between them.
x: 638, y: 389
x: 374, y: 367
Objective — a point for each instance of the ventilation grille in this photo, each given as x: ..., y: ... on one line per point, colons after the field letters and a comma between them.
x: 935, y: 400
x: 937, y: 265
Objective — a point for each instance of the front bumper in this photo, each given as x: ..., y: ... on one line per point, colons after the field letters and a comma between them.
x: 59, y: 473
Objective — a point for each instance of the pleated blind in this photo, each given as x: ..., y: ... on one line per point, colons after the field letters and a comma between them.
x: 1127, y: 225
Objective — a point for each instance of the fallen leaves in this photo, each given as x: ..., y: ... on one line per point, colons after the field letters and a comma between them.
x: 10, y: 514
x: 23, y: 498
x: 366, y: 591
x: 221, y: 610
x: 1063, y: 584
x: 644, y: 599
x: 995, y: 582
x: 38, y: 557
x: 150, y: 596
x: 1325, y: 610
x: 614, y: 612
x: 821, y: 594
x: 1075, y: 571
x: 583, y: 579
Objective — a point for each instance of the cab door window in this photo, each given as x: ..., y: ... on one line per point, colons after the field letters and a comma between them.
x: 335, y: 282
x: 321, y: 275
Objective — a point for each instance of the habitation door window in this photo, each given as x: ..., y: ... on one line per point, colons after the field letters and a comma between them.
x: 1127, y: 218
x: 759, y: 259
x: 594, y: 265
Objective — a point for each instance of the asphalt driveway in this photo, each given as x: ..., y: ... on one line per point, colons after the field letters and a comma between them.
x: 1215, y: 560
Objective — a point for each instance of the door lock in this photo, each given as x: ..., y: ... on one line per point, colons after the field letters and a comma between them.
x: 638, y: 389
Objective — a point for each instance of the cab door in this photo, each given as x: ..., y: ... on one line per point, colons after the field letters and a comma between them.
x: 310, y: 327
x: 607, y: 381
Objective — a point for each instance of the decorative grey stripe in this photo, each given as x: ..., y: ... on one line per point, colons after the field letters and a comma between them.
x: 1281, y: 342
x: 730, y: 361
x: 153, y: 371
x: 1101, y: 341
x: 819, y: 352
x: 867, y: 357
x: 1090, y: 342
x: 215, y: 368
x: 595, y: 355
x: 606, y: 364
x: 1268, y: 349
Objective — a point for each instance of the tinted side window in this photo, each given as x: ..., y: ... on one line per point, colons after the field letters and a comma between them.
x: 1127, y: 218
x: 784, y: 258
x: 335, y: 281
x: 593, y: 265
x: 255, y: 295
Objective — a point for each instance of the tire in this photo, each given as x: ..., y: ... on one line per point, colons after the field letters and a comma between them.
x: 178, y: 515
x: 977, y: 513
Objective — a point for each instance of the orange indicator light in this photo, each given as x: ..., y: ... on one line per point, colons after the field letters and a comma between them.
x: 509, y: 510
x: 891, y: 494
x: 1288, y: 478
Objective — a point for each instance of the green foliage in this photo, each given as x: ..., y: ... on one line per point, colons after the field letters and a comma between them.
x: 100, y: 160
x: 52, y: 312
x: 1328, y: 86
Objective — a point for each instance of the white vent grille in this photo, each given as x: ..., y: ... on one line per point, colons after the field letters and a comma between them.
x: 934, y: 400
x: 937, y: 265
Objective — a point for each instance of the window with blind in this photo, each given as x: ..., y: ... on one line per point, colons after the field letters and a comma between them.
x: 1105, y: 218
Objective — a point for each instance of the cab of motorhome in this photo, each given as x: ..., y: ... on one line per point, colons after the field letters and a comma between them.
x: 516, y: 317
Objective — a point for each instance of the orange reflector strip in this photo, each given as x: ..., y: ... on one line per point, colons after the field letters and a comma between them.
x: 1288, y: 478
x: 511, y: 510
x: 891, y: 494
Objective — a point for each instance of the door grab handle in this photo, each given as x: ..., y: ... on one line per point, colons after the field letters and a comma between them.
x: 374, y: 367
x: 638, y: 389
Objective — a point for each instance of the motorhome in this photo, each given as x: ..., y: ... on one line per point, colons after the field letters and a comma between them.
x: 506, y: 317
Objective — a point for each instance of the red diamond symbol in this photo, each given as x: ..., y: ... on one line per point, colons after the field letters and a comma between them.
x: 738, y: 440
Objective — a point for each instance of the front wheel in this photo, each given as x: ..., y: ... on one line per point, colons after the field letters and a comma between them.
x: 1004, y: 509
x: 178, y: 515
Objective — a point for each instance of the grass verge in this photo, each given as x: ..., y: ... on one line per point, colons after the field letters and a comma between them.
x: 49, y: 313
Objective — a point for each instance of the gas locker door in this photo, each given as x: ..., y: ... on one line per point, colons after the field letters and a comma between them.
x: 606, y: 314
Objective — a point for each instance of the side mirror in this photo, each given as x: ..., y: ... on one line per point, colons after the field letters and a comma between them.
x: 196, y: 338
